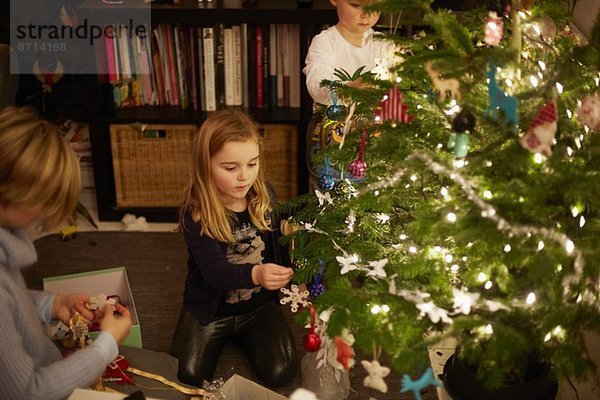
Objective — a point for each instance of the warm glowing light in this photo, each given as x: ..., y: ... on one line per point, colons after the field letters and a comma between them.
x: 542, y: 65
x: 451, y: 217
x: 569, y: 151
x: 558, y: 267
x: 375, y: 309
x: 402, y: 236
x: 538, y: 158
x: 454, y: 268
x: 559, y: 87
x: 574, y: 211
x: 385, y: 308
x: 488, y: 329
x: 507, y: 248
x: 530, y: 298
x: 570, y: 246
x: 534, y: 80
x: 448, y: 258
x: 482, y: 277
x: 487, y: 194
x: 540, y: 245
x: 488, y: 285
x: 412, y: 249
x: 581, y: 221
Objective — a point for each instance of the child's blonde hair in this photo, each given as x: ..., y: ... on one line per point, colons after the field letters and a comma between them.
x: 37, y: 166
x: 201, y: 196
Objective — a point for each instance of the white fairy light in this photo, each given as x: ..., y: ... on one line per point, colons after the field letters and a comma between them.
x: 458, y: 162
x: 530, y: 298
x: 439, y: 146
x: 570, y: 246
x: 581, y: 221
x: 454, y: 268
x: 398, y: 79
x: 413, y: 178
x: 402, y: 236
x: 482, y: 277
x: 470, y: 244
x: 488, y: 329
x: 574, y: 211
x: 558, y: 267
x: 375, y: 309
x: 542, y: 65
x: 538, y: 158
x: 507, y: 248
x: 508, y: 82
x: 488, y: 163
x: 540, y: 245
x: 448, y: 258
x: 451, y: 217
x: 569, y: 113
x: 444, y: 192
x: 559, y: 87
x: 412, y: 249
x: 385, y: 308
x: 488, y: 285
x: 534, y: 80
x: 487, y: 194
x: 569, y: 151
x: 547, y: 337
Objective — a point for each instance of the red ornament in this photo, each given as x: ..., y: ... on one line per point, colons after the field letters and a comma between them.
x: 494, y: 29
x: 116, y: 371
x: 344, y: 353
x: 312, y: 341
x: 392, y: 107
x: 358, y: 167
x: 540, y: 136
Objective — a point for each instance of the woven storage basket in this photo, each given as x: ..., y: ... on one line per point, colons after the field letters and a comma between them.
x: 151, y: 167
x: 281, y: 156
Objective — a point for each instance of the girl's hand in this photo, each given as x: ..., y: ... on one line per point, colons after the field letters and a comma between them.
x: 117, y: 325
x: 271, y: 276
x: 65, y: 306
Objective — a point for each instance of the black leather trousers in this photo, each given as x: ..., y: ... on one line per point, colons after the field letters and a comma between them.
x: 263, y: 334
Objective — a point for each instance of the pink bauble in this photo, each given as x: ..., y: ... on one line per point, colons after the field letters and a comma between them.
x: 358, y: 168
x: 588, y: 112
x: 493, y: 30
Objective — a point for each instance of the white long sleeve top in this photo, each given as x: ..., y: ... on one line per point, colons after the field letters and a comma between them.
x: 329, y: 50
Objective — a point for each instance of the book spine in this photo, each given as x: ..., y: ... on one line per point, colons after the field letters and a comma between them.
x: 172, y: 65
x: 193, y: 67
x: 208, y: 45
x: 273, y: 64
x: 237, y: 65
x: 219, y: 65
x: 229, y: 61
x: 245, y: 66
x: 259, y: 67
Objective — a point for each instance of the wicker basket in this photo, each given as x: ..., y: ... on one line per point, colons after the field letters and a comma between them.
x: 151, y: 167
x: 281, y: 156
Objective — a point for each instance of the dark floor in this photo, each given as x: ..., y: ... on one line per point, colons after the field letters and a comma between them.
x: 156, y: 268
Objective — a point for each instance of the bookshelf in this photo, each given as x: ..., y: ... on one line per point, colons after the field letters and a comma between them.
x: 191, y: 13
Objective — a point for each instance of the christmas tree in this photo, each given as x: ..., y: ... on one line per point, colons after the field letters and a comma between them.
x: 468, y: 201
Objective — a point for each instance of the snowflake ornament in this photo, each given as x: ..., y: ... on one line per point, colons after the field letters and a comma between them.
x: 377, y: 270
x: 376, y: 374
x: 463, y: 301
x: 389, y: 58
x: 100, y: 301
x: 434, y: 313
x: 295, y: 297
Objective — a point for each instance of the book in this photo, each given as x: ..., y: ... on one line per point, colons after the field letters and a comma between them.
x: 280, y: 45
x: 172, y: 67
x: 180, y: 66
x: 237, y: 65
x: 193, y: 67
x: 229, y: 68
x: 209, y: 68
x: 200, y: 71
x: 219, y: 31
x: 273, y: 64
x: 259, y: 67
x: 110, y: 55
x: 245, y: 66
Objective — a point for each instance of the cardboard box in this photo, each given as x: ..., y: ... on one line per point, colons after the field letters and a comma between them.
x: 239, y: 388
x: 110, y: 282
x: 87, y: 394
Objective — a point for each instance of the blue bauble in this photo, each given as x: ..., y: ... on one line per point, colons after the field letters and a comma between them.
x: 336, y: 112
x: 326, y: 182
x: 316, y: 289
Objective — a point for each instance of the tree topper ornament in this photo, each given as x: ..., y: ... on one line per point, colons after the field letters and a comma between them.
x: 540, y: 135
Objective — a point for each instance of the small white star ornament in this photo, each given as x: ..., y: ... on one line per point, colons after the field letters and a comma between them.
x: 376, y: 374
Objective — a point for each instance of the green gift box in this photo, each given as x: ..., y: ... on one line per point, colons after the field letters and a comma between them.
x: 110, y: 282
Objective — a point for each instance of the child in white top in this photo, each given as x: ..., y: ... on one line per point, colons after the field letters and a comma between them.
x: 348, y: 45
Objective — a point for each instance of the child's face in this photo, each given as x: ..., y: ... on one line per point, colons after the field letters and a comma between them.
x: 234, y: 171
x: 19, y: 217
x: 352, y: 17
